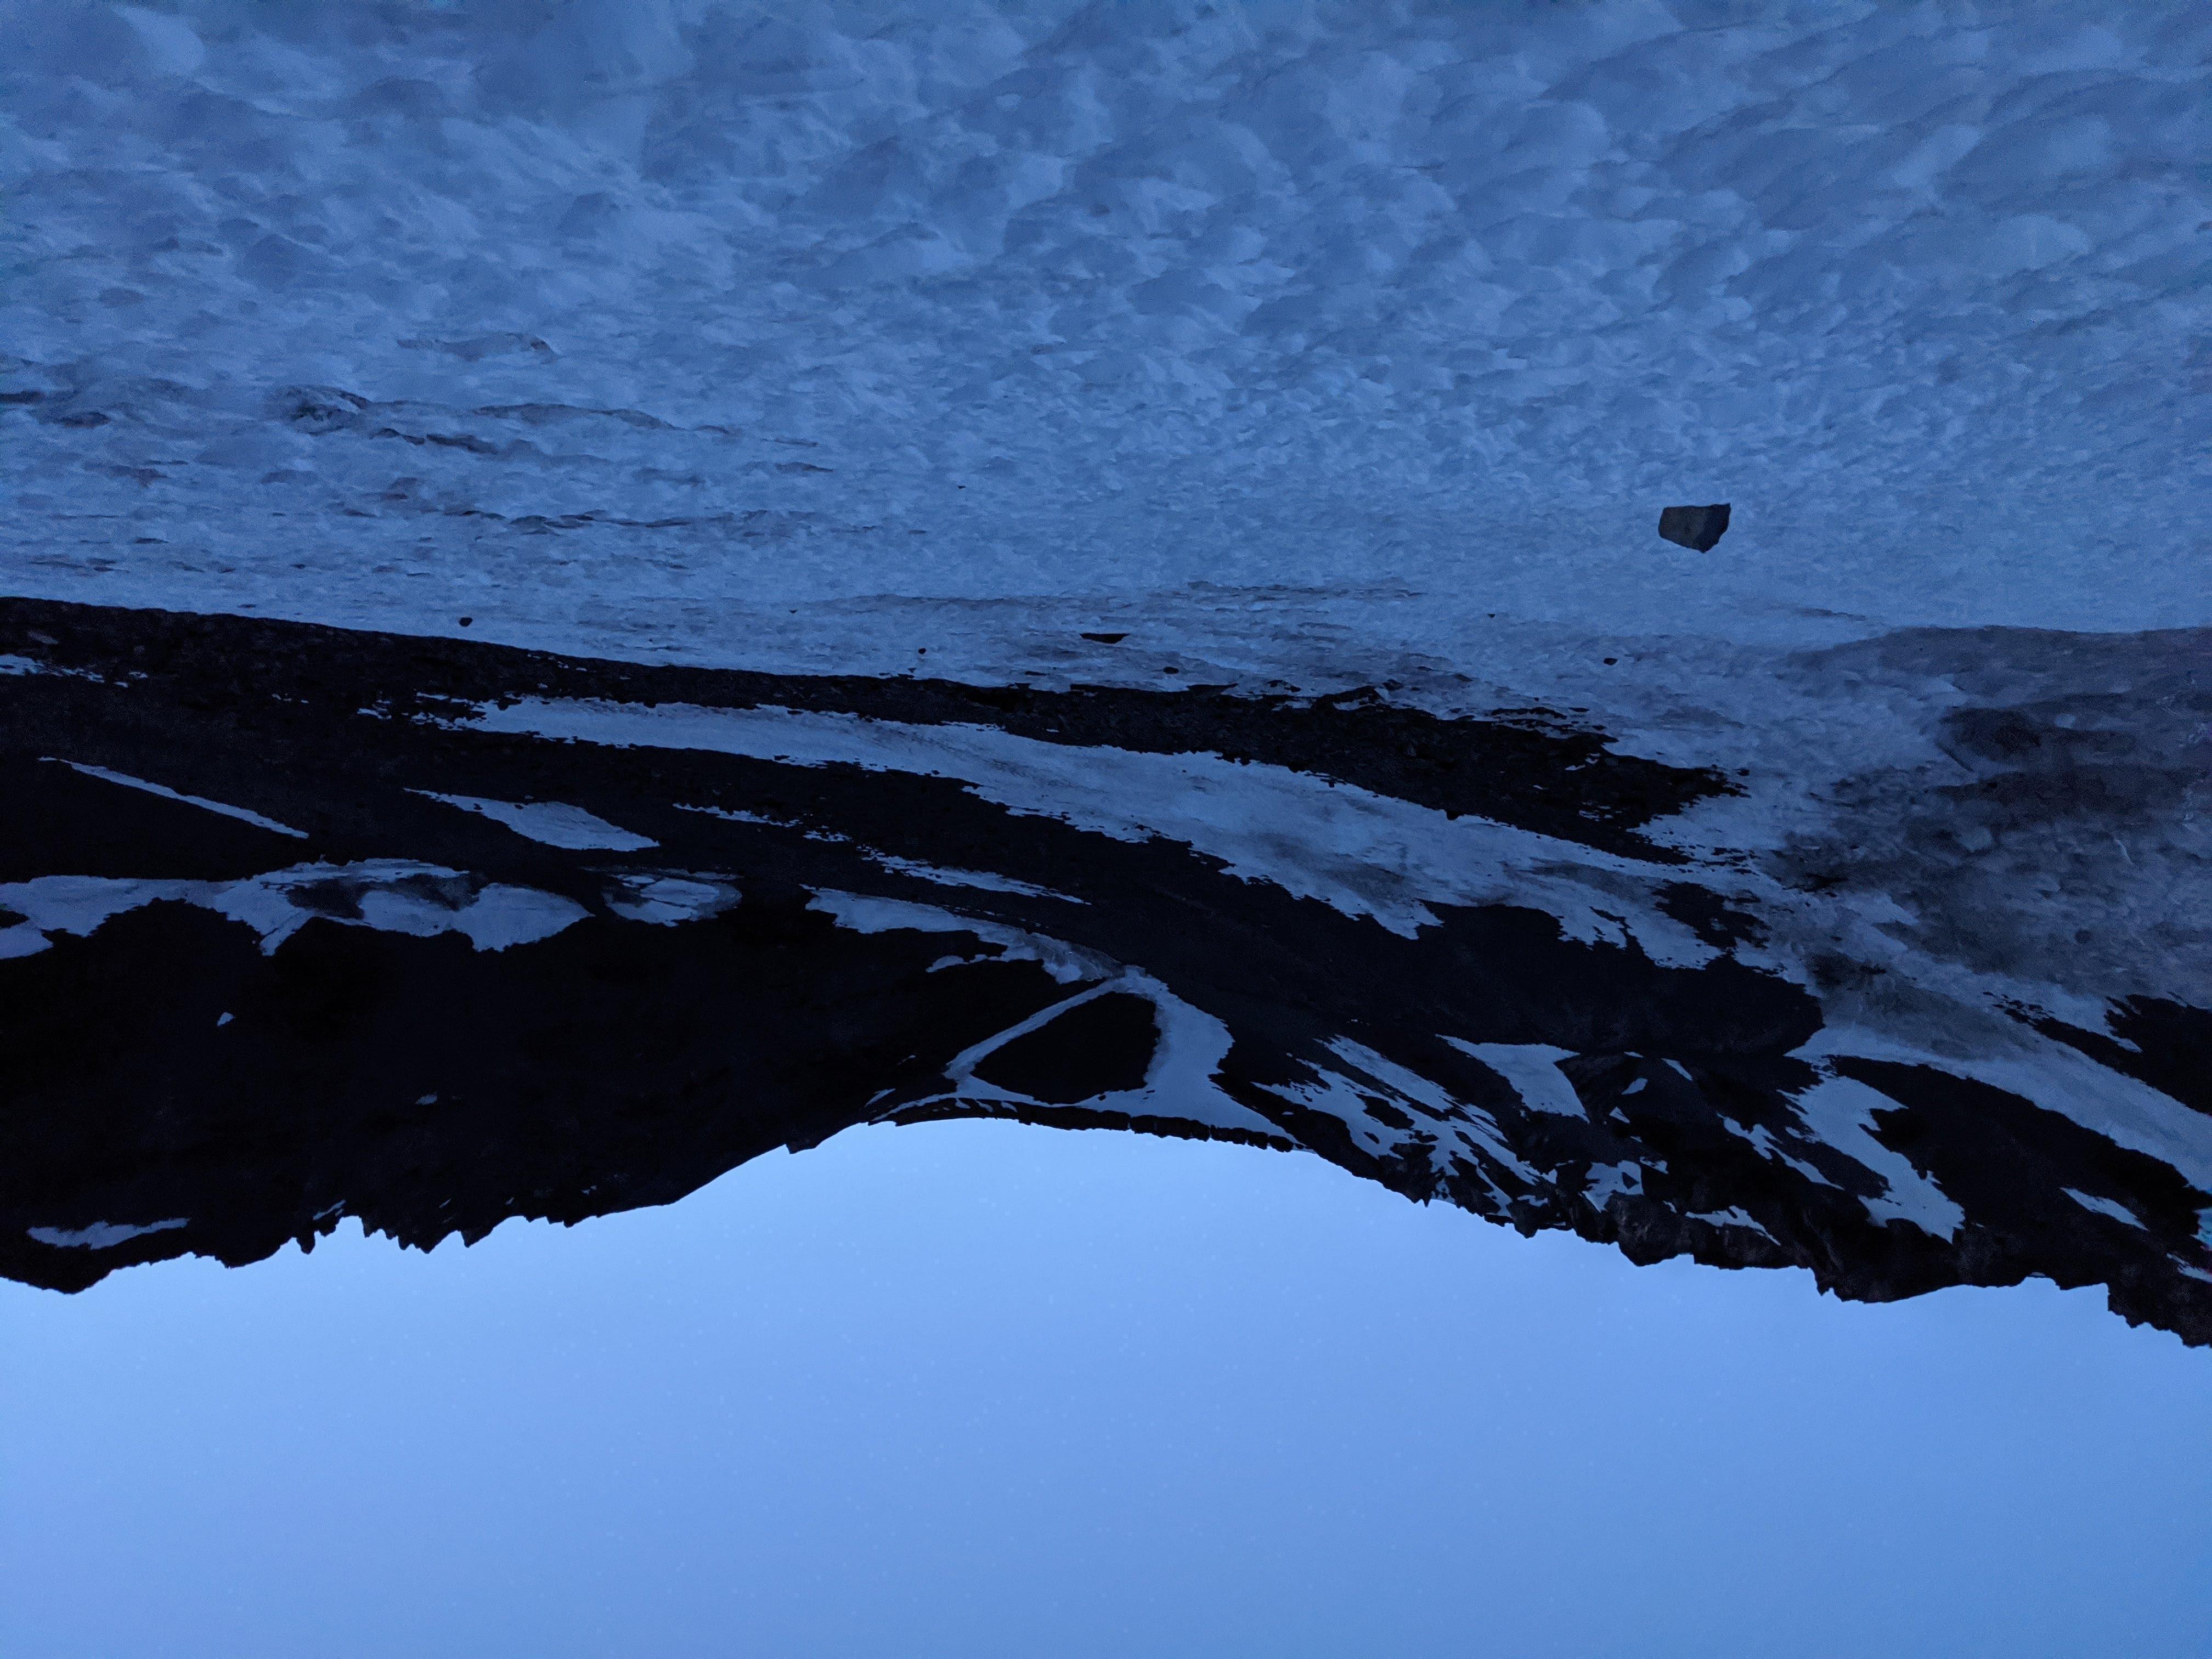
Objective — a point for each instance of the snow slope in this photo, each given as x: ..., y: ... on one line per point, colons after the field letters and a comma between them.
x: 625, y: 325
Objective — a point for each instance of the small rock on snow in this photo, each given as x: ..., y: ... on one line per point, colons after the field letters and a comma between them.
x: 1698, y: 527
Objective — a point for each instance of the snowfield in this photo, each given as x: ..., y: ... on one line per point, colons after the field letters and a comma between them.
x: 631, y: 327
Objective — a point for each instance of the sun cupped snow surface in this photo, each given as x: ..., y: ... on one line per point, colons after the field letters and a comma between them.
x: 626, y: 325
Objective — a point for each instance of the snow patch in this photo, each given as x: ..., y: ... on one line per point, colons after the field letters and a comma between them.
x: 2060, y: 1079
x: 1180, y: 1081
x: 1361, y: 852
x: 981, y: 880
x: 1461, y: 1134
x: 2104, y: 1206
x: 865, y: 912
x: 667, y: 899
x: 166, y: 794
x: 102, y: 1235
x: 1732, y: 1217
x: 1533, y: 1069
x: 550, y: 823
x: 1840, y: 1110
x: 1607, y: 1179
x: 391, y: 894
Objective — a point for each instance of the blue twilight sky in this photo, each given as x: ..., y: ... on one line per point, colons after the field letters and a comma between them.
x: 975, y: 1389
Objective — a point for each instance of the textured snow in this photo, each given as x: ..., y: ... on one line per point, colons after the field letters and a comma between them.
x: 666, y: 326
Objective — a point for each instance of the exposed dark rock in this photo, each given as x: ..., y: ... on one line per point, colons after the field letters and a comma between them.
x: 1102, y: 1047
x: 1707, y: 914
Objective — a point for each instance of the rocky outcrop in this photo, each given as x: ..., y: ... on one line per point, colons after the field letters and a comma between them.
x: 298, y: 923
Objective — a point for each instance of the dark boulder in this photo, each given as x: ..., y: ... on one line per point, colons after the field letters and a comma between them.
x: 1698, y: 527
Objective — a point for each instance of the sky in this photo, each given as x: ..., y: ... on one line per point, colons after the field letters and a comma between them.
x: 978, y: 1388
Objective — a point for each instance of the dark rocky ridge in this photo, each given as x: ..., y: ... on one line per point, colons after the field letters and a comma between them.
x: 427, y: 1086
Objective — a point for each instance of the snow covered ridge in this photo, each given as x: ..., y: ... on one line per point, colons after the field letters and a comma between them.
x: 432, y: 933
x: 594, y: 320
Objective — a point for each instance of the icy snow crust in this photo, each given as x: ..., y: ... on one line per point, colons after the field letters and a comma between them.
x: 641, y: 328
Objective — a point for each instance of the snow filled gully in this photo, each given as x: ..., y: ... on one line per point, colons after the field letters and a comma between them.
x: 583, y: 935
